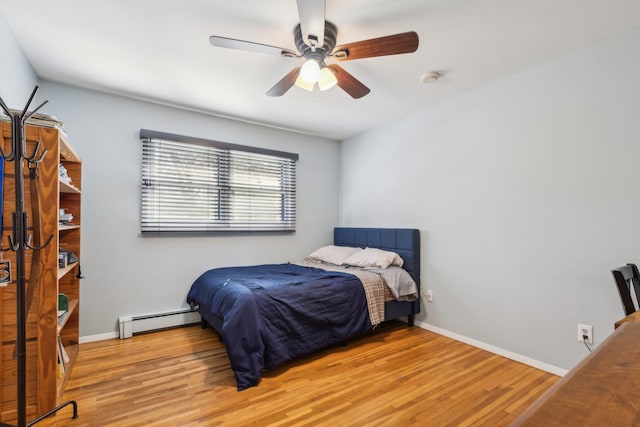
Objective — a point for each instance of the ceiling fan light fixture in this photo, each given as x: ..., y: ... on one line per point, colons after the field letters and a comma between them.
x: 326, y: 79
x: 310, y: 71
x: 301, y: 83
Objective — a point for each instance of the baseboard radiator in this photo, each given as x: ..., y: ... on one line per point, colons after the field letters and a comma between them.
x: 130, y: 325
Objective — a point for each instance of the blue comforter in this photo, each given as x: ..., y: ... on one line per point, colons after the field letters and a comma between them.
x: 277, y: 312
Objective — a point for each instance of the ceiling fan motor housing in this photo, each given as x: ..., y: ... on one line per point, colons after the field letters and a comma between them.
x: 319, y: 53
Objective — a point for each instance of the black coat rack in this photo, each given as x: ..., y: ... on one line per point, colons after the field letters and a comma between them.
x: 19, y: 242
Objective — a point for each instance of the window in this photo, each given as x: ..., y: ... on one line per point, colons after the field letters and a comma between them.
x: 196, y: 185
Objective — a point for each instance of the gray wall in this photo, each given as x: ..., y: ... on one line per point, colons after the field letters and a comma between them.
x: 129, y: 274
x: 526, y: 194
x: 17, y: 78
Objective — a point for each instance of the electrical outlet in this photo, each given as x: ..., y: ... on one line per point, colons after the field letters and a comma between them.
x: 429, y: 295
x: 585, y: 330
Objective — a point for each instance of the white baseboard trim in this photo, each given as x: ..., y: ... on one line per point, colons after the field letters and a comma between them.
x: 98, y: 337
x: 493, y: 349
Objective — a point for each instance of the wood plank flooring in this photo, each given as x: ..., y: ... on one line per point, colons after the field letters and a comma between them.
x: 397, y: 376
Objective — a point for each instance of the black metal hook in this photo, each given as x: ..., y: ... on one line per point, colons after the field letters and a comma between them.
x: 4, y: 107
x: 32, y: 157
x: 37, y: 162
x: 13, y: 237
x: 26, y: 107
x: 38, y: 248
x: 25, y: 117
x: 79, y: 275
x: 8, y: 158
x: 13, y: 245
x: 3, y: 249
x: 27, y: 241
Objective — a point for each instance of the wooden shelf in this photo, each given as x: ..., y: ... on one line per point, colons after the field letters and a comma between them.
x: 65, y: 227
x: 68, y: 188
x: 73, y: 304
x: 63, y: 271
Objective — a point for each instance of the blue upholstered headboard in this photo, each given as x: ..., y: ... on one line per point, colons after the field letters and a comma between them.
x: 404, y: 241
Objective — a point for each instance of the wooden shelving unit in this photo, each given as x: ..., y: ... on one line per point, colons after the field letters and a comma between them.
x: 69, y: 239
x: 45, y: 381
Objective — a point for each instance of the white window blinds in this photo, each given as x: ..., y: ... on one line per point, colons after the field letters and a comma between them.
x: 197, y: 185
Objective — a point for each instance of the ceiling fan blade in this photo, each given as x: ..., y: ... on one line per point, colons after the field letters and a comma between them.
x: 251, y: 46
x: 311, y: 14
x: 348, y: 83
x: 285, y: 84
x: 381, y: 46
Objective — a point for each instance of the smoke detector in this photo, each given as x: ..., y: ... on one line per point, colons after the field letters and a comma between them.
x: 430, y: 77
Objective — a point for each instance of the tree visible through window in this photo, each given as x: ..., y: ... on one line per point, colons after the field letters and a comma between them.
x: 197, y: 185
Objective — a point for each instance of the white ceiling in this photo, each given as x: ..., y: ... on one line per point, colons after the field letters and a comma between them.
x: 159, y: 50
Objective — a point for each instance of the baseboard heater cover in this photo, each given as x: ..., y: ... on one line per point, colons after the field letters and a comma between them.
x: 130, y: 325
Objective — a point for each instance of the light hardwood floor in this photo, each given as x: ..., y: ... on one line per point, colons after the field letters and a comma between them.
x: 395, y: 376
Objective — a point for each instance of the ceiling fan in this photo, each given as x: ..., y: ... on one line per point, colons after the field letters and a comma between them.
x: 315, y: 40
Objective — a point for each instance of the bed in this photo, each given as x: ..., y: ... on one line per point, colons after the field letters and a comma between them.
x: 269, y: 314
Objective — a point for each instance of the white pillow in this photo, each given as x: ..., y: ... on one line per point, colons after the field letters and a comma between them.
x: 334, y: 254
x: 372, y: 257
